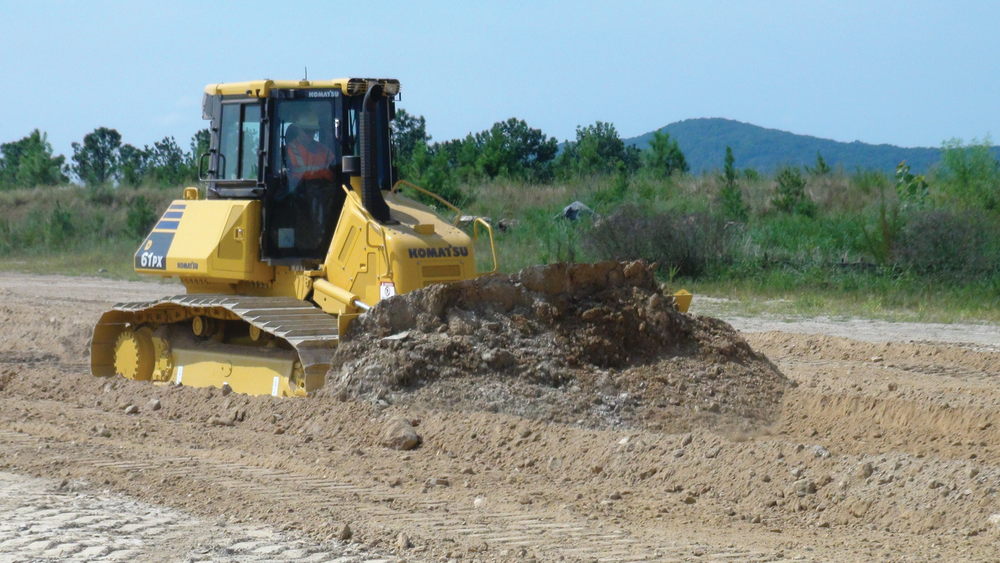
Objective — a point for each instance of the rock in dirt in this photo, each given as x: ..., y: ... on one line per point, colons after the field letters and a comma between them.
x: 804, y: 487
x: 154, y: 405
x: 402, y: 541
x: 131, y: 409
x: 345, y: 533
x: 221, y: 421
x: 865, y: 470
x: 399, y: 434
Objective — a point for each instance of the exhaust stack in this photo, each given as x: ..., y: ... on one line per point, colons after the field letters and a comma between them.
x: 371, y: 192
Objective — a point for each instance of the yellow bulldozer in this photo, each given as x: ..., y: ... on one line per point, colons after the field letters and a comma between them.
x: 302, y: 228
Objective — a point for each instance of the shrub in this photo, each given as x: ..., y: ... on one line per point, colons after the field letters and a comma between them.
x: 140, y: 218
x: 59, y: 227
x: 969, y: 176
x: 791, y: 196
x: 682, y: 244
x: 911, y: 188
x: 940, y: 241
x: 731, y: 194
x: 880, y: 241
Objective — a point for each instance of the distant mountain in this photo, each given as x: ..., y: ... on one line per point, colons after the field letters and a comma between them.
x: 704, y: 141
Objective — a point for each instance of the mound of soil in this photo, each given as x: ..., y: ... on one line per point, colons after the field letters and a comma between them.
x: 596, y: 344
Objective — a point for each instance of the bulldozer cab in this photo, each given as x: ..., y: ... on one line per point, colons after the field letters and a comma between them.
x: 286, y: 146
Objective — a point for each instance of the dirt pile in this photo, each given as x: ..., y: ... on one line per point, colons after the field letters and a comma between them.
x: 597, y: 344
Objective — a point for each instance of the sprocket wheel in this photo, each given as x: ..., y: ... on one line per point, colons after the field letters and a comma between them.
x: 134, y: 354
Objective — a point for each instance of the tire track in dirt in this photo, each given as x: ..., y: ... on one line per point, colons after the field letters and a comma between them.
x: 541, y: 534
x: 68, y: 522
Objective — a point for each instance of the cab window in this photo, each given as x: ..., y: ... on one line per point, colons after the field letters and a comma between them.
x: 250, y: 141
x: 239, y: 142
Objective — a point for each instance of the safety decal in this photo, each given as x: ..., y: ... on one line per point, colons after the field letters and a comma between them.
x: 386, y: 290
x: 152, y: 255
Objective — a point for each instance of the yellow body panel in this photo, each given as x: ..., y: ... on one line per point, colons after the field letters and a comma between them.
x: 261, y: 88
x: 213, y: 247
x: 207, y: 242
x: 364, y: 254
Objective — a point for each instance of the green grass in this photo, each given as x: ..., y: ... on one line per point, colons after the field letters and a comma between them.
x: 868, y: 296
x: 774, y: 264
x: 113, y: 257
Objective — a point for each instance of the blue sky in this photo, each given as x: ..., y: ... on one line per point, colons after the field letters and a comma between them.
x: 907, y: 73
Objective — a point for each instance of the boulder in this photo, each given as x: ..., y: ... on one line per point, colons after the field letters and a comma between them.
x: 399, y: 434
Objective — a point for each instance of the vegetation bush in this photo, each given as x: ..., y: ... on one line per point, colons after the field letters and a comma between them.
x: 968, y: 176
x: 140, y: 218
x: 940, y: 241
x: 682, y: 244
x: 791, y: 195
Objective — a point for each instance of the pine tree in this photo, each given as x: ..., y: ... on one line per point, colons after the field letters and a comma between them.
x: 732, y: 195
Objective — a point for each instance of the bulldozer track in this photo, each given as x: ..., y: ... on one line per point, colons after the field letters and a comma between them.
x: 307, y: 328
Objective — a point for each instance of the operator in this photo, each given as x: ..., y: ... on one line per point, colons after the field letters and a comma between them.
x: 308, y: 158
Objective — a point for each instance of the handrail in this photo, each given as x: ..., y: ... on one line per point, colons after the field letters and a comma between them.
x: 458, y: 212
x: 493, y: 247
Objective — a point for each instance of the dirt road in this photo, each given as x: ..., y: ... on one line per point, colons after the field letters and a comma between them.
x: 882, y: 452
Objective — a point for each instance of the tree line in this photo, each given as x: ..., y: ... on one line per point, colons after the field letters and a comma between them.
x: 101, y: 159
x: 512, y: 150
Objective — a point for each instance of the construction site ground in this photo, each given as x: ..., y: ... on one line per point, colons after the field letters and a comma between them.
x: 884, y: 447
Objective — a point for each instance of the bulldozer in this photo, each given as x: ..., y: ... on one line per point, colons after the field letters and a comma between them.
x: 302, y: 227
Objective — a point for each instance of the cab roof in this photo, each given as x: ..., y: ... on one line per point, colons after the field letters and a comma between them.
x: 262, y: 88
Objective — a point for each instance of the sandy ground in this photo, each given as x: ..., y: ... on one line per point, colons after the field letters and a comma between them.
x: 982, y: 335
x: 888, y: 449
